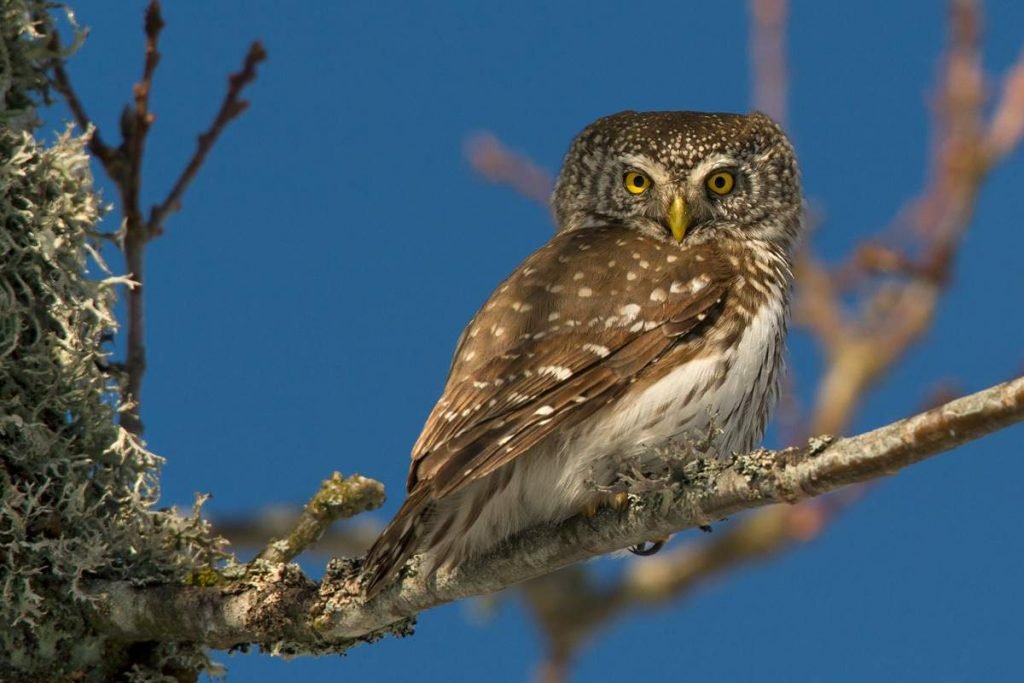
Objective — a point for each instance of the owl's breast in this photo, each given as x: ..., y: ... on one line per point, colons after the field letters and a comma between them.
x: 729, y: 384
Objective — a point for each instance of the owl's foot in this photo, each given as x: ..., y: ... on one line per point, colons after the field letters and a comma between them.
x: 648, y: 547
x: 616, y: 501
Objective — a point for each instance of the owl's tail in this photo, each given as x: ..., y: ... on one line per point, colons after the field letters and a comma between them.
x: 397, y: 543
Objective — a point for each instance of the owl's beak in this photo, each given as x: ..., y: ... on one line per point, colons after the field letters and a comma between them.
x: 677, y: 219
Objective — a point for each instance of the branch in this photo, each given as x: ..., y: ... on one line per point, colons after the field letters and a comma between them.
x: 283, y: 610
x: 768, y: 57
x: 571, y: 607
x: 124, y: 166
x: 338, y: 498
x: 62, y: 83
x: 253, y: 530
x: 231, y: 107
x: 125, y: 169
x: 897, y: 308
x: 500, y: 165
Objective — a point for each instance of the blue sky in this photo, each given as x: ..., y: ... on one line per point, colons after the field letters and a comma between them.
x: 303, y: 307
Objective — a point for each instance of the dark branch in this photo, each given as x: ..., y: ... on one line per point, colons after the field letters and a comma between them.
x: 232, y: 106
x: 124, y: 166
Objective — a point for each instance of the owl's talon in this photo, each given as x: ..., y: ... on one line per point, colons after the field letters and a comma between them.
x: 648, y: 547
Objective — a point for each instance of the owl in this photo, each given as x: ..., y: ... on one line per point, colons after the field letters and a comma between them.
x: 658, y: 309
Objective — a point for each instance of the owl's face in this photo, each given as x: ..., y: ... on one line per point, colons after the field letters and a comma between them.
x: 683, y: 177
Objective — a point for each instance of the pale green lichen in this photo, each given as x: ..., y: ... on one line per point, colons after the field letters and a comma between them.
x: 76, y: 490
x: 24, y: 54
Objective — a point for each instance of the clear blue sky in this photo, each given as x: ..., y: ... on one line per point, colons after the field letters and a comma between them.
x: 303, y: 307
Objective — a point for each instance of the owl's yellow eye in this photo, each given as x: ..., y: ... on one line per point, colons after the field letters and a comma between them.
x: 720, y: 182
x: 636, y: 183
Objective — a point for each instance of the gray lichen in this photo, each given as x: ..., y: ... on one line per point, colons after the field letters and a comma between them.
x: 76, y: 490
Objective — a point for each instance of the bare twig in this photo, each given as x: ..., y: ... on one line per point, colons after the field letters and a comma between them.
x: 280, y: 608
x: 62, y: 83
x: 768, y: 57
x: 231, y: 107
x: 490, y: 158
x: 338, y: 498
x: 135, y: 125
x: 124, y: 166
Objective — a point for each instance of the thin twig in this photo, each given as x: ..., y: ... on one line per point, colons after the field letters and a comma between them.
x: 62, y: 82
x: 231, y: 107
x: 768, y: 57
x: 338, y: 498
x: 252, y: 531
x: 135, y: 125
x: 497, y: 163
x: 124, y: 166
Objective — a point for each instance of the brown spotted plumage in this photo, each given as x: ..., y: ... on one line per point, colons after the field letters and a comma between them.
x: 658, y: 309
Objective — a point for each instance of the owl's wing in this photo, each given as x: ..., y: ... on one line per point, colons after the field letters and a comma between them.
x: 540, y: 386
x: 525, y: 383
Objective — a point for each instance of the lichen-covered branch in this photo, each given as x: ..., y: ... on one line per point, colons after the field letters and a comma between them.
x: 338, y: 498
x: 276, y: 521
x: 77, y: 491
x: 279, y: 608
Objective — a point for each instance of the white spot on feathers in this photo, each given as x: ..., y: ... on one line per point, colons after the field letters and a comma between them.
x: 556, y: 371
x: 629, y: 311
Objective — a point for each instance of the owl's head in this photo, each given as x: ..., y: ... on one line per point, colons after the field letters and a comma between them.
x: 686, y: 177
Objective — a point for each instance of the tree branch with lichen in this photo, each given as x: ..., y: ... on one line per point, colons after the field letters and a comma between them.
x: 284, y: 611
x: 338, y: 498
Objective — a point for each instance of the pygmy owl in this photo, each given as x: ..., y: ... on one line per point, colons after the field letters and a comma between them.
x: 658, y: 309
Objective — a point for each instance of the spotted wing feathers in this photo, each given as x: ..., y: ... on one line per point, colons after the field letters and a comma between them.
x: 500, y: 407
